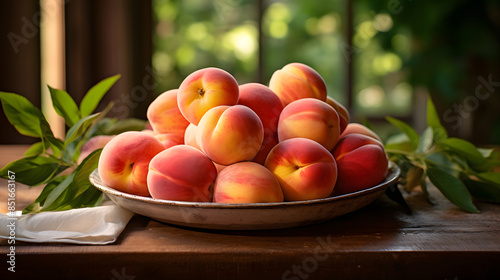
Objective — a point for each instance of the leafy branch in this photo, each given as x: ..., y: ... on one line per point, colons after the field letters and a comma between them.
x: 53, y: 161
x: 455, y: 166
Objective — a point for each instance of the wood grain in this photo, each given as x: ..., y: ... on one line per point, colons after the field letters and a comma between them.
x: 379, y: 241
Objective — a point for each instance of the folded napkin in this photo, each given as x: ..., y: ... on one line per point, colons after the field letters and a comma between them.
x: 94, y: 225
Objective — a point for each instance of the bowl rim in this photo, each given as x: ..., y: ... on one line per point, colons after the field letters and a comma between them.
x: 391, y: 178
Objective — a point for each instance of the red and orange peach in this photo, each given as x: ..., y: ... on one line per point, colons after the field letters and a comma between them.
x: 229, y: 134
x: 190, y: 136
x: 310, y: 118
x: 204, y: 89
x: 304, y: 168
x: 267, y: 105
x: 362, y: 163
x: 181, y: 173
x: 164, y: 115
x: 341, y: 110
x: 246, y: 182
x: 360, y: 129
x: 169, y: 139
x: 124, y: 161
x: 297, y: 80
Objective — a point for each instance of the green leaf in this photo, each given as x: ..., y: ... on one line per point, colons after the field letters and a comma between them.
x: 406, y: 129
x: 36, y: 205
x: 80, y: 127
x: 426, y: 140
x: 491, y: 177
x: 88, y: 133
x: 65, y: 106
x: 452, y: 188
x: 486, y: 153
x: 434, y: 122
x: 129, y: 124
x: 465, y: 149
x: 70, y: 151
x: 34, y: 150
x: 49, y: 140
x: 442, y: 161
x: 103, y: 126
x: 492, y: 160
x: 90, y: 197
x: 57, y: 193
x: 483, y: 190
x: 74, y: 191
x: 398, y: 143
x: 88, y: 165
x: 95, y: 94
x: 22, y: 114
x: 34, y: 170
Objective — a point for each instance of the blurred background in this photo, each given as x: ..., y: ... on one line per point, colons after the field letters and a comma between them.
x: 378, y: 58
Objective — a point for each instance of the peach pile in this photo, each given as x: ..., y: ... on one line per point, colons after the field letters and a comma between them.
x: 213, y: 140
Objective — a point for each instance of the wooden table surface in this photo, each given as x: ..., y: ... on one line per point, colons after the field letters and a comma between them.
x: 380, y: 241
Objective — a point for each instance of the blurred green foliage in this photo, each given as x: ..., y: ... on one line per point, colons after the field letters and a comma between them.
x: 193, y: 34
x: 397, y: 45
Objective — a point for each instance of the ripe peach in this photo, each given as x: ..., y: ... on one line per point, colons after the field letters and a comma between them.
x: 169, y: 139
x: 190, y: 136
x: 360, y: 129
x: 362, y: 163
x: 341, y: 110
x: 124, y: 161
x: 228, y: 134
x: 267, y: 105
x: 304, y: 168
x: 264, y: 102
x: 296, y: 81
x: 164, y: 115
x: 246, y: 182
x: 310, y: 118
x: 219, y: 167
x: 181, y: 173
x: 267, y: 144
x: 205, y: 89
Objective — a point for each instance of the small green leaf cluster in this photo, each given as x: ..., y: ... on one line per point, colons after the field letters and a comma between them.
x: 53, y: 161
x: 455, y: 166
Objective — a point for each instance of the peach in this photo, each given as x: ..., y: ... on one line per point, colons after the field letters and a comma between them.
x: 181, y: 173
x: 295, y: 81
x: 341, y: 110
x: 164, y: 115
x: 169, y: 139
x: 190, y: 136
x: 304, y: 168
x: 310, y: 118
x: 362, y: 163
x: 246, y: 182
x: 229, y: 134
x: 267, y: 105
x: 124, y: 161
x: 360, y: 129
x: 267, y: 144
x: 219, y: 167
x: 93, y: 144
x: 204, y: 89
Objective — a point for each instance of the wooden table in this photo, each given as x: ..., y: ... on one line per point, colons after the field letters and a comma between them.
x: 380, y: 241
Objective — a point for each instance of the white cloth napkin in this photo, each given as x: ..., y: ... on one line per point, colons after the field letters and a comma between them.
x: 93, y: 225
